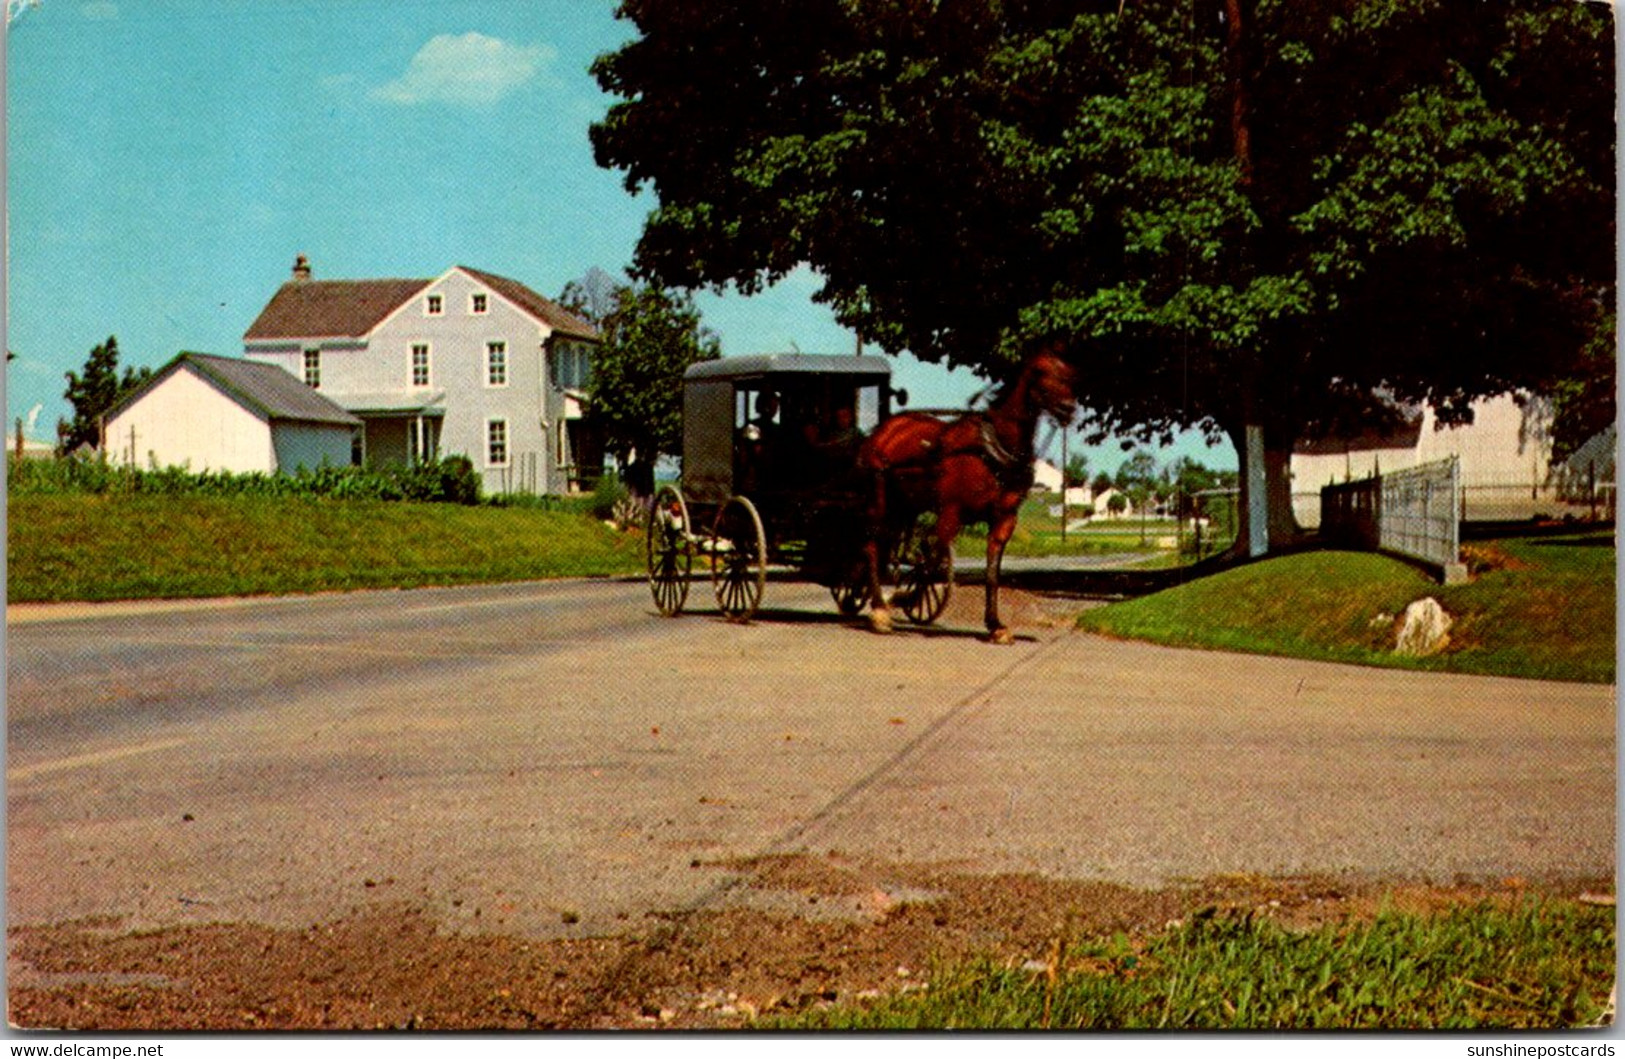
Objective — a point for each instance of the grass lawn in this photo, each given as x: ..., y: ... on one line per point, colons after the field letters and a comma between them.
x: 1038, y: 534
x: 1531, y: 965
x: 87, y: 547
x: 1538, y: 607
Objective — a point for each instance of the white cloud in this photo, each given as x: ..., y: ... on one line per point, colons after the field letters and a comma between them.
x: 472, y: 69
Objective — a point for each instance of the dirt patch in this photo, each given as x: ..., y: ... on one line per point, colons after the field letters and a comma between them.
x: 1483, y: 558
x: 1018, y: 608
x: 839, y: 931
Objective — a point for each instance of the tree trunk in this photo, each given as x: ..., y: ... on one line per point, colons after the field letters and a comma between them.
x: 1265, y: 521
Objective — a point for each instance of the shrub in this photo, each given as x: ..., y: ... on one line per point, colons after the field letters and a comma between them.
x: 451, y: 480
x: 607, y: 495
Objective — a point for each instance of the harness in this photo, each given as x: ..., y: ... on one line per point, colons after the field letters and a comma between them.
x: 1011, y: 470
x: 999, y: 458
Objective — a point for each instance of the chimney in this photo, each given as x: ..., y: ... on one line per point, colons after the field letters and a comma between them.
x: 301, y: 268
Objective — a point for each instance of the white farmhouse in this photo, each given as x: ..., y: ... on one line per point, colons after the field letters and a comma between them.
x: 468, y: 363
x: 210, y: 413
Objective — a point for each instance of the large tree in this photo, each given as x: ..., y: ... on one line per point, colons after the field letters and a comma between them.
x: 93, y: 393
x: 1244, y: 215
x: 650, y: 336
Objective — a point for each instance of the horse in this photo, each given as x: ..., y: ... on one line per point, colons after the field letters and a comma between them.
x: 976, y: 467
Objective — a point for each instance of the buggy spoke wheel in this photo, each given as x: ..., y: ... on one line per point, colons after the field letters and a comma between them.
x: 667, y: 551
x: 738, y: 559
x: 925, y: 579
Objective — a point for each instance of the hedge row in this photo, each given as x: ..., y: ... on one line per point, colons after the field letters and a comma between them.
x: 451, y: 480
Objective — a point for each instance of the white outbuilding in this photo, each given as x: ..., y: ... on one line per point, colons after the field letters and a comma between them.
x: 209, y: 413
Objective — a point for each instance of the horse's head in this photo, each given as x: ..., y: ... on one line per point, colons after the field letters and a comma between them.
x: 1051, y: 385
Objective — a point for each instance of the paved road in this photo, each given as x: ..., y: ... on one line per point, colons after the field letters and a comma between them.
x: 506, y: 755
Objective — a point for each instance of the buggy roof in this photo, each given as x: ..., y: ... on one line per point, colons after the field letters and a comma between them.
x: 759, y: 365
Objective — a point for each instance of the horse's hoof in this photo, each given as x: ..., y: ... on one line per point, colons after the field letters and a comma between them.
x: 1001, y: 635
x: 879, y: 621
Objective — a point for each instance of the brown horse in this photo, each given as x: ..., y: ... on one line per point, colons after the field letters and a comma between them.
x: 977, y: 467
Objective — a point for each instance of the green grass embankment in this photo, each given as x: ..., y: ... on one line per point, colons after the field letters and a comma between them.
x: 1535, y: 965
x: 1537, y: 607
x: 119, y: 546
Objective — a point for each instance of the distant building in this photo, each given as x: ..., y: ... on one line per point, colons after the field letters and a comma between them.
x: 1103, y: 504
x: 211, y: 413
x: 469, y: 363
x: 1505, y: 452
x: 1047, y: 476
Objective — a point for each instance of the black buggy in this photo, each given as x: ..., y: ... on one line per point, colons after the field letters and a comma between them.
x: 770, y: 477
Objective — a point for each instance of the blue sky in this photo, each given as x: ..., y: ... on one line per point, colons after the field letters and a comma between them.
x: 167, y: 159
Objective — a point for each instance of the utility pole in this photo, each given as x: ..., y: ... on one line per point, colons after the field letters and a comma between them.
x: 1065, y: 430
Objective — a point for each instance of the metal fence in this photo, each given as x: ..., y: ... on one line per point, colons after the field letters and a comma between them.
x: 1507, y: 502
x: 1414, y: 512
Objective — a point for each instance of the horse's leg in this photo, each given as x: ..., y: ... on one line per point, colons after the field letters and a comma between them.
x: 879, y: 611
x: 998, y: 536
x: 950, y: 520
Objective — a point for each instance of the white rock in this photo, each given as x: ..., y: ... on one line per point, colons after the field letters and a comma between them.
x: 1424, y: 629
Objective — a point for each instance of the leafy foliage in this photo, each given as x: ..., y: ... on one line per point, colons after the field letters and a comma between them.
x: 93, y: 393
x: 650, y: 337
x: 1237, y: 212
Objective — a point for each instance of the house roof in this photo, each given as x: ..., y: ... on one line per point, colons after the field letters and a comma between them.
x: 331, y: 308
x: 424, y: 402
x: 352, y: 308
x: 546, y: 310
x: 264, y: 389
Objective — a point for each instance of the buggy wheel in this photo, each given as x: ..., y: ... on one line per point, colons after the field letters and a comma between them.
x: 738, y: 559
x: 925, y: 578
x: 670, y: 558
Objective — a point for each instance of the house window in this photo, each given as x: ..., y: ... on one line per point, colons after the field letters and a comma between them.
x: 435, y: 304
x: 420, y: 365
x: 313, y: 368
x: 496, y: 443
x: 572, y: 367
x: 496, y: 363
x: 478, y: 304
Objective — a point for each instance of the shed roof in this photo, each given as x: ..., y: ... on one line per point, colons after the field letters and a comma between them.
x: 264, y: 389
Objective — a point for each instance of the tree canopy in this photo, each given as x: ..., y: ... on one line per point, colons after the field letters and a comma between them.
x: 650, y: 336
x: 93, y: 393
x: 1234, y: 212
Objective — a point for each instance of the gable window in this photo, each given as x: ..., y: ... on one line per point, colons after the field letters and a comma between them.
x: 434, y: 304
x: 496, y: 364
x: 496, y: 443
x: 478, y: 303
x: 313, y: 368
x: 572, y: 367
x: 420, y: 364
